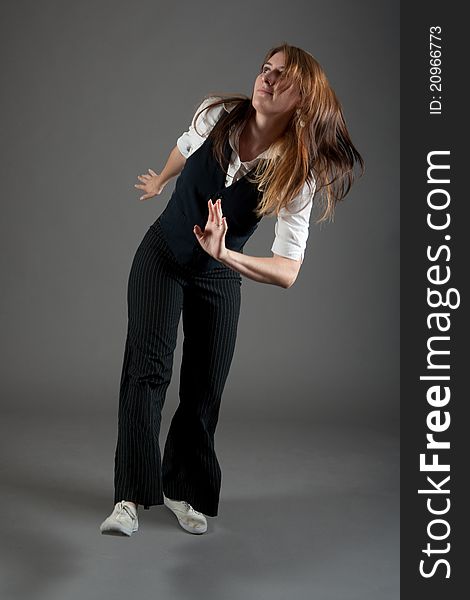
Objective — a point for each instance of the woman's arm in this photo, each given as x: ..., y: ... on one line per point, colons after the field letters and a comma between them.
x: 276, y: 270
x: 174, y: 165
x: 188, y: 142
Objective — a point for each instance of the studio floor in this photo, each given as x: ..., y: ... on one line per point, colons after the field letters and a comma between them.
x: 307, y: 511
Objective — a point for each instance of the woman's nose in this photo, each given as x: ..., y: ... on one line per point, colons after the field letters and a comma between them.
x: 267, y: 79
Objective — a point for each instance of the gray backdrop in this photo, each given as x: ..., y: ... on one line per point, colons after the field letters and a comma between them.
x: 95, y: 93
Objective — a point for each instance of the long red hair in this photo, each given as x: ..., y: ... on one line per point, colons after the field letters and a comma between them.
x: 315, y: 147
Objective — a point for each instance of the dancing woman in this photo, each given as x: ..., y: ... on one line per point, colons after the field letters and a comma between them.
x: 241, y: 158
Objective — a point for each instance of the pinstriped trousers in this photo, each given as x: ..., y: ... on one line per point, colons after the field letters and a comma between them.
x: 160, y: 289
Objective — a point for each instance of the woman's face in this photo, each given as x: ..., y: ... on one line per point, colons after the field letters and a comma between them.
x: 268, y: 96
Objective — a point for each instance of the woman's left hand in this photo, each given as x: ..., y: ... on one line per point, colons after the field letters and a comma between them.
x: 212, y: 239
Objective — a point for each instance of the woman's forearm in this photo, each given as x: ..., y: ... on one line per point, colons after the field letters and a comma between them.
x: 174, y: 165
x: 260, y: 268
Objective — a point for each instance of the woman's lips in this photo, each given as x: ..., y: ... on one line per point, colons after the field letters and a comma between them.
x: 265, y: 92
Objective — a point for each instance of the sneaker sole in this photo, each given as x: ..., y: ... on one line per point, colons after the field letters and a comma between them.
x: 119, y: 532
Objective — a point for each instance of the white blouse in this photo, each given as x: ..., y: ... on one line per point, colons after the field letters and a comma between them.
x: 291, y: 228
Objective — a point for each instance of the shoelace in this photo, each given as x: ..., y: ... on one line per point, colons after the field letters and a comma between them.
x: 189, y: 507
x: 128, y: 511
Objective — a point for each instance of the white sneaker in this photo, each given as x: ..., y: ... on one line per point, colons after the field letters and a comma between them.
x: 190, y: 519
x: 122, y: 521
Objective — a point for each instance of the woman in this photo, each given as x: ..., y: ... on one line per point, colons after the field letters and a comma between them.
x: 242, y: 158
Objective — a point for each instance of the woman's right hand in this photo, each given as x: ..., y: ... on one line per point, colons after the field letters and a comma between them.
x: 151, y: 185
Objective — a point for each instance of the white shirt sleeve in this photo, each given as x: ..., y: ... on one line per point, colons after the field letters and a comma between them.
x: 292, y: 228
x: 190, y: 140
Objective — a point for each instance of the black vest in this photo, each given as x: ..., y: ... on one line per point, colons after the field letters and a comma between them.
x: 203, y: 178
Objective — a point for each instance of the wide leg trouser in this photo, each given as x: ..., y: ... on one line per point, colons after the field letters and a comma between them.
x: 159, y: 290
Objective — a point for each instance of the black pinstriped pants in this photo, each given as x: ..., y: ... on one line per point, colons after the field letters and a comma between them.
x: 159, y: 290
